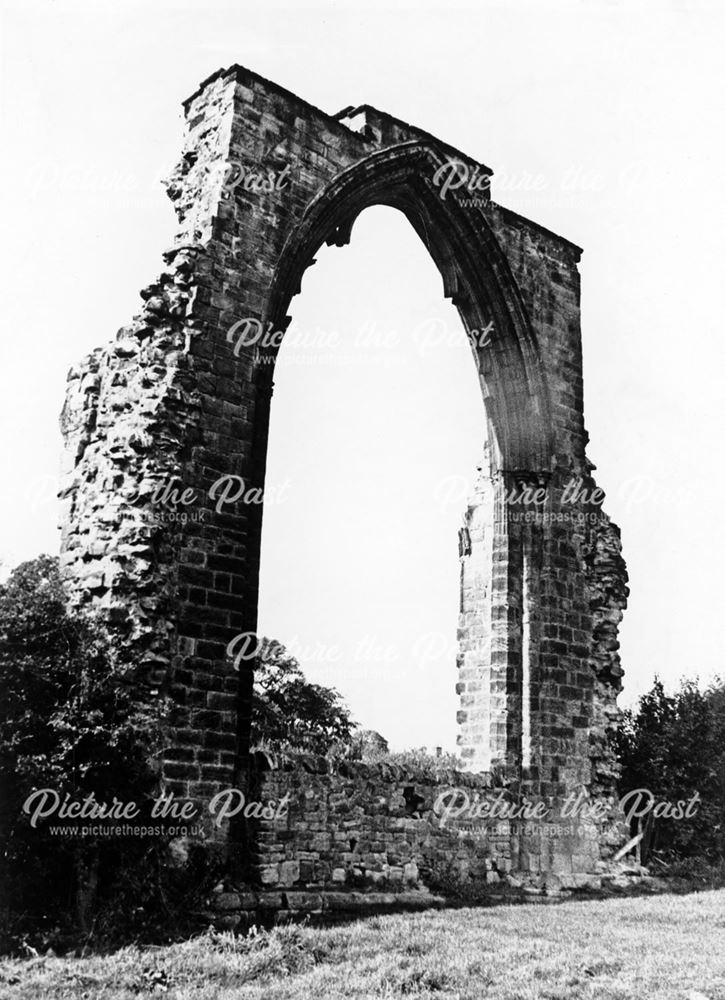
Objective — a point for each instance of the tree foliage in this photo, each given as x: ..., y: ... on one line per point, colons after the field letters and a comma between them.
x: 291, y: 713
x: 74, y: 719
x: 73, y: 713
x: 674, y: 745
x: 78, y: 718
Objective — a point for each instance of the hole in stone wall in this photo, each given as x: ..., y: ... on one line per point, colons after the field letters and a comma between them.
x: 413, y: 802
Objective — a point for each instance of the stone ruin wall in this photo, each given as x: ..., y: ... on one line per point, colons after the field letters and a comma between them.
x: 366, y: 837
x: 171, y: 402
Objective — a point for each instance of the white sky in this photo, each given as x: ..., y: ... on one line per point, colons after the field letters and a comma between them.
x: 601, y: 120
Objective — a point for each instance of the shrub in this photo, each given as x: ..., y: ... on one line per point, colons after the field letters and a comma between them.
x: 674, y: 745
x: 291, y: 713
x: 75, y: 720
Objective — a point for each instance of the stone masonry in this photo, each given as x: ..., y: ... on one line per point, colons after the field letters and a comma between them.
x: 344, y: 836
x: 166, y: 437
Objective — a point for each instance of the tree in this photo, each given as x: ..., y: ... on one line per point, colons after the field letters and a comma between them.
x: 75, y: 720
x: 291, y: 713
x: 674, y: 745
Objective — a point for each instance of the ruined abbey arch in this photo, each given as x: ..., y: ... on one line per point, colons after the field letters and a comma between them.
x: 475, y: 274
x: 263, y: 181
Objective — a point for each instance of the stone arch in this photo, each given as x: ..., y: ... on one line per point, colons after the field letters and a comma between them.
x: 541, y: 597
x: 476, y: 277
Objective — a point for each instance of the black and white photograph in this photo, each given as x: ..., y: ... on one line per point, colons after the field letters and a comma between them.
x: 360, y: 623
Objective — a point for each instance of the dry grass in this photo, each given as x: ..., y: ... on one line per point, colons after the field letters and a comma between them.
x: 656, y: 948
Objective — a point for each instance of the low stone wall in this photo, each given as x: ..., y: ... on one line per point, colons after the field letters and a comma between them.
x: 364, y: 826
x: 339, y: 836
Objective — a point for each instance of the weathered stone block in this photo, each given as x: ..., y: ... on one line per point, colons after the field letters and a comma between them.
x: 289, y: 872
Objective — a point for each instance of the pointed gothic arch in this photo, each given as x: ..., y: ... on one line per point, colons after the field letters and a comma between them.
x: 176, y: 398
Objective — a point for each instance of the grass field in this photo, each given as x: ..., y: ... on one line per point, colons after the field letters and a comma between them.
x: 655, y: 948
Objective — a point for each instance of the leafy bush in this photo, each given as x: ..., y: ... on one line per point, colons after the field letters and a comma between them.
x: 674, y: 745
x: 75, y: 720
x: 289, y: 712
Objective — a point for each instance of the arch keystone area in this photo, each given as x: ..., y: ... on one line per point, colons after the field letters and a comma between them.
x: 264, y: 180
